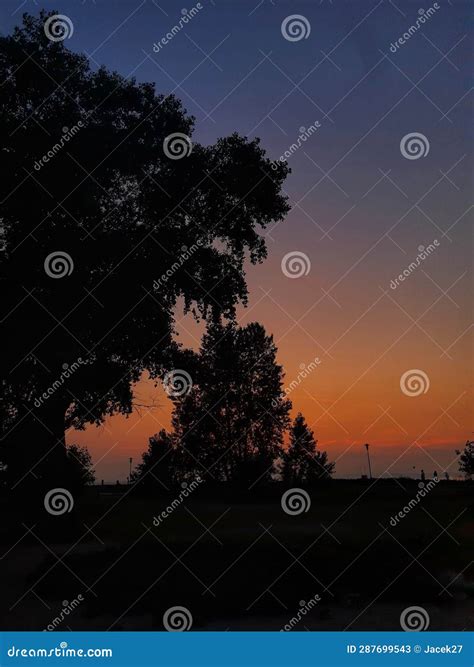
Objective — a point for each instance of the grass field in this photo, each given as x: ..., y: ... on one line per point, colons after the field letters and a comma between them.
x: 240, y: 562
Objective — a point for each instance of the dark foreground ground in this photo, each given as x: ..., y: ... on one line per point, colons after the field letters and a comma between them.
x: 240, y: 562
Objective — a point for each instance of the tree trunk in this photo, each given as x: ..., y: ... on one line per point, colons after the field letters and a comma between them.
x: 37, y: 464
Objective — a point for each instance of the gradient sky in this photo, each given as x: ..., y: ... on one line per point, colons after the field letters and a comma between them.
x: 360, y: 210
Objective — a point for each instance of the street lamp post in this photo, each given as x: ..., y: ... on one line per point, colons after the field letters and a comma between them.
x: 368, y: 459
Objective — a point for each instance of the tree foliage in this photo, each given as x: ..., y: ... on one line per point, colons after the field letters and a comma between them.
x: 303, y: 463
x: 80, y: 467
x: 466, y: 459
x: 159, y: 467
x: 229, y: 424
x: 123, y: 211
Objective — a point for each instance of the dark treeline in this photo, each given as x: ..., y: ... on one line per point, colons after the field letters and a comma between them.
x: 230, y: 417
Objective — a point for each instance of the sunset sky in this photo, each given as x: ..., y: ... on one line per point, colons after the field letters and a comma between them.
x: 360, y: 209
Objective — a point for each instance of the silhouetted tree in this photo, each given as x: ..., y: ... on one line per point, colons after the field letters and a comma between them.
x: 303, y: 463
x: 77, y: 471
x: 137, y: 231
x: 232, y: 420
x: 159, y: 467
x: 466, y: 459
x: 80, y: 469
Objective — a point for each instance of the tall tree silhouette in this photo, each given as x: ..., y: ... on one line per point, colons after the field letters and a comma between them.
x: 80, y: 469
x: 466, y: 459
x: 232, y: 420
x: 159, y: 468
x: 124, y: 216
x: 303, y: 463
